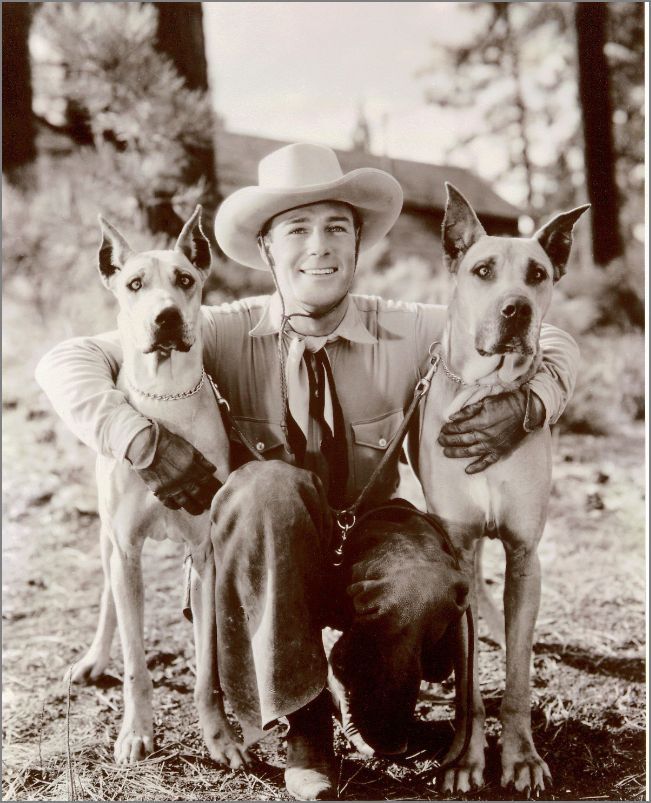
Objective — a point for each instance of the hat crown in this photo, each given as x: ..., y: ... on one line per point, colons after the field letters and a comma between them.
x: 299, y: 165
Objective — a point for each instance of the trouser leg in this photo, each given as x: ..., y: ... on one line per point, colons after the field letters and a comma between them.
x: 404, y: 596
x: 271, y: 537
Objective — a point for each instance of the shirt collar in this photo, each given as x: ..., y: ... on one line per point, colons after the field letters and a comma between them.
x: 351, y: 327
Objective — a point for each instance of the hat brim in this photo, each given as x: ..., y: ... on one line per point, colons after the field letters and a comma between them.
x: 375, y: 194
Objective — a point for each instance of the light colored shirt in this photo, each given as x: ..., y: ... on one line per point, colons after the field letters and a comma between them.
x: 377, y: 359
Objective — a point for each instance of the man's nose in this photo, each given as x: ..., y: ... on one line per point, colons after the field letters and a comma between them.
x: 516, y: 308
x: 317, y: 243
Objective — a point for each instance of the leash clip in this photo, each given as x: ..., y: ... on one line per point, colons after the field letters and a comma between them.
x: 345, y: 521
x: 423, y: 384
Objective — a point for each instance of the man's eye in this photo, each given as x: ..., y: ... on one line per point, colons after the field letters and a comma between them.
x: 483, y: 271
x: 135, y: 285
x: 185, y: 280
x: 298, y: 230
x: 337, y: 228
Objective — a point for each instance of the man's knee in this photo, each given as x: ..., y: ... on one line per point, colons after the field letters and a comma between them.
x: 269, y: 500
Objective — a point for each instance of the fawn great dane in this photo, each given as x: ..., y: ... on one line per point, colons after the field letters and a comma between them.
x: 162, y: 375
x: 503, y: 289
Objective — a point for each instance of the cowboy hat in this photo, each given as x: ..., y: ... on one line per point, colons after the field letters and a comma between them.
x: 297, y: 175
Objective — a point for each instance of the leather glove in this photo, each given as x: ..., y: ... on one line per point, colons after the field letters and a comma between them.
x: 179, y: 475
x: 492, y: 428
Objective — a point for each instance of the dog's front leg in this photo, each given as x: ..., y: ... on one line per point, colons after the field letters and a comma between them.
x: 89, y: 668
x: 222, y: 743
x: 521, y: 763
x: 136, y: 737
x: 468, y: 770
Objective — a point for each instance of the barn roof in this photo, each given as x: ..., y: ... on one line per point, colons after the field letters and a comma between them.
x: 423, y: 184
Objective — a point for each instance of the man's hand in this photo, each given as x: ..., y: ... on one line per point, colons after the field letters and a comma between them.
x: 492, y: 428
x: 179, y: 475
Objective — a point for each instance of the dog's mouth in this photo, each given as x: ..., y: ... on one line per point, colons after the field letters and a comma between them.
x: 167, y: 339
x: 516, y: 345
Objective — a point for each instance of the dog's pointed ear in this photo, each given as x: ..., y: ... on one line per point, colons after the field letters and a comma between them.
x: 556, y: 238
x: 193, y: 242
x: 461, y: 227
x: 113, y: 251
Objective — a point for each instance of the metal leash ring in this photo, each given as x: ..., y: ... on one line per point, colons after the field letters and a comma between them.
x: 345, y: 521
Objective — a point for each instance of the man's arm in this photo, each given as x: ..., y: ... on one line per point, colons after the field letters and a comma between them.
x: 78, y: 376
x: 554, y: 383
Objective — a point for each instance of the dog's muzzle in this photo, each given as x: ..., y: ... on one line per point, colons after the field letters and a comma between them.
x: 170, y: 332
x: 509, y: 329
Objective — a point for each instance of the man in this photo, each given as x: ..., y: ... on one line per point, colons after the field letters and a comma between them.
x: 318, y: 380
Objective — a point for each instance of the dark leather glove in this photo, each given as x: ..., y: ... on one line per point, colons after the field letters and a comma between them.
x: 179, y: 475
x: 492, y: 428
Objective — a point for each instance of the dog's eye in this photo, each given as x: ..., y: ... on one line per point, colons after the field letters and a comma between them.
x: 185, y: 280
x: 135, y: 285
x: 536, y: 274
x: 483, y: 271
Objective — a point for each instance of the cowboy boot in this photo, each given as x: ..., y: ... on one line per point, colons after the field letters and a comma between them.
x: 309, y: 770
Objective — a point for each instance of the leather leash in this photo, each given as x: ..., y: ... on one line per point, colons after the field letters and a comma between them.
x: 347, y: 517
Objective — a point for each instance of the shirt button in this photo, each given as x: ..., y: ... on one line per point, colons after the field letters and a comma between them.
x: 259, y: 446
x: 382, y: 442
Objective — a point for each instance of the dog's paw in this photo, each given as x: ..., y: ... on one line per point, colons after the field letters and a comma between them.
x: 227, y: 750
x: 465, y: 772
x: 133, y: 744
x: 465, y: 776
x: 525, y: 769
x: 88, y: 669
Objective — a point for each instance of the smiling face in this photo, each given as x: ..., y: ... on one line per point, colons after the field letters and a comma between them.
x: 313, y: 249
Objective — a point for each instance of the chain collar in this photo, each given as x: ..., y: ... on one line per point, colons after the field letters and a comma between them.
x: 171, y: 396
x: 450, y: 375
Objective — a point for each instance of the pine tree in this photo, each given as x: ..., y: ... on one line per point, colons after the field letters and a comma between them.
x: 150, y: 129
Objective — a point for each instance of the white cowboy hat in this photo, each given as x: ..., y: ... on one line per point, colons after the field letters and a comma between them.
x: 297, y: 175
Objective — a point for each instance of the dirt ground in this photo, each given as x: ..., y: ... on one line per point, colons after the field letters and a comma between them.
x: 589, y: 658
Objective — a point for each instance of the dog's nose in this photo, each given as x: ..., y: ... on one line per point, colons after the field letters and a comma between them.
x: 518, y: 308
x: 168, y: 317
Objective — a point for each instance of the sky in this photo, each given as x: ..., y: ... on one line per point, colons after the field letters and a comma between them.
x: 300, y: 71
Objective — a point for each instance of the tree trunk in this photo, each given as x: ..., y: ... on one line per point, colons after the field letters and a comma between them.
x: 18, y: 130
x: 594, y: 95
x: 180, y: 37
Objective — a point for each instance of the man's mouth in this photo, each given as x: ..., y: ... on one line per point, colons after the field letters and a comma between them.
x: 319, y: 271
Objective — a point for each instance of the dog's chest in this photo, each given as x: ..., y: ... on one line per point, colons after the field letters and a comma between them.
x: 196, y: 418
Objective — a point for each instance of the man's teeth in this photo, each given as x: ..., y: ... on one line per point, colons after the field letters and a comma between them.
x: 318, y: 271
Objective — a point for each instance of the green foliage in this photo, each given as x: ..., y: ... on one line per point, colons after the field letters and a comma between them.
x: 150, y: 131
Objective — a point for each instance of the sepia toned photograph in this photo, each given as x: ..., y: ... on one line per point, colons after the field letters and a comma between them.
x: 324, y: 401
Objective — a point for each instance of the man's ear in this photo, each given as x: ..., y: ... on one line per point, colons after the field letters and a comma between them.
x: 193, y: 242
x: 556, y: 238
x: 461, y: 227
x: 113, y: 251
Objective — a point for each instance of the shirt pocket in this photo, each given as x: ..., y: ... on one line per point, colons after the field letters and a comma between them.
x: 265, y: 436
x: 371, y: 440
